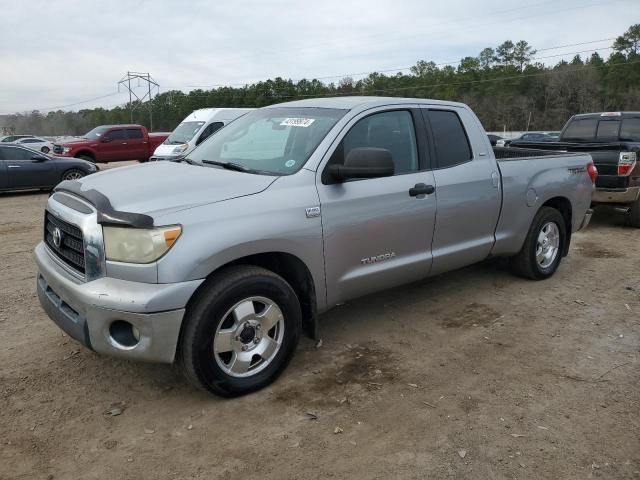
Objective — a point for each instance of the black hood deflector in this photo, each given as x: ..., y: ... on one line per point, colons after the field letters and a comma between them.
x: 107, y: 215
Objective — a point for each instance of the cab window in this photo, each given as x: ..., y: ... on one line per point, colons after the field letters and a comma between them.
x: 450, y: 138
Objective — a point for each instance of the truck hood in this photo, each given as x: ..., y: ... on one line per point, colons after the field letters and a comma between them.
x: 159, y: 188
x: 76, y: 141
x: 167, y: 151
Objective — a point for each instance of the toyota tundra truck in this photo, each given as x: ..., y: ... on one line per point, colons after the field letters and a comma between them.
x: 221, y: 259
x: 613, y: 141
x: 112, y: 143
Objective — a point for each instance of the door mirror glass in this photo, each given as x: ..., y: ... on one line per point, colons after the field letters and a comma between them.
x: 364, y: 162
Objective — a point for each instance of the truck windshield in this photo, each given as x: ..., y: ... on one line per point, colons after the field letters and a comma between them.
x: 276, y: 141
x: 95, y: 133
x: 183, y: 133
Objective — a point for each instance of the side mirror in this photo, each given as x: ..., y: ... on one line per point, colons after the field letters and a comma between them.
x: 364, y: 163
x: 105, y: 139
x: 39, y: 158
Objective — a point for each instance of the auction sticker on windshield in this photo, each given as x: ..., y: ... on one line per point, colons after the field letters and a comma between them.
x: 297, y: 122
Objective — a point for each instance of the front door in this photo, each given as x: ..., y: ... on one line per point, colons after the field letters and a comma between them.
x: 28, y: 169
x: 113, y: 146
x: 376, y: 233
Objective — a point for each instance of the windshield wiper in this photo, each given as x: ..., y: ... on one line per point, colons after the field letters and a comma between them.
x: 175, y: 142
x: 184, y: 159
x: 230, y: 166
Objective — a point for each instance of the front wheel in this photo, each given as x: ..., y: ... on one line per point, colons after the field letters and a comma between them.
x: 541, y: 253
x: 240, y: 331
x: 73, y: 174
x: 45, y: 149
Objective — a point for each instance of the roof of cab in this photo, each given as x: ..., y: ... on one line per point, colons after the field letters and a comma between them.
x: 207, y: 114
x: 351, y: 102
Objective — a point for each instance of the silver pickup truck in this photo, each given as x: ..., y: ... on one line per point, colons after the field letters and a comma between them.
x: 223, y: 258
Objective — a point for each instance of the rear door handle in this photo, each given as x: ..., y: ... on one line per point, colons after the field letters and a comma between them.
x: 13, y: 166
x: 421, y: 189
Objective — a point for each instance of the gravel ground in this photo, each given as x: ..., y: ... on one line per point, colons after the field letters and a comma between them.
x: 474, y: 374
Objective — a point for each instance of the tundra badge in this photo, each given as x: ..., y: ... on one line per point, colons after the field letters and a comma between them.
x: 313, y: 212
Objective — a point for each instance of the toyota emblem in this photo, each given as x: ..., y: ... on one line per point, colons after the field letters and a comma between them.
x: 57, y: 237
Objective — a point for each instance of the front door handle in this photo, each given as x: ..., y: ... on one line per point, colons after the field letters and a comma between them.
x: 421, y: 189
x: 13, y: 166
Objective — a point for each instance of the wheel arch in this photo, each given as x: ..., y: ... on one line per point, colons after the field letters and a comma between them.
x: 563, y: 205
x: 86, y: 153
x: 293, y: 270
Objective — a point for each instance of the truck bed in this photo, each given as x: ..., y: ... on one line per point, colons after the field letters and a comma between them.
x: 517, y: 153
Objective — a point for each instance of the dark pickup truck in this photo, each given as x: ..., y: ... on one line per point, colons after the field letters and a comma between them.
x: 613, y: 141
x: 112, y: 143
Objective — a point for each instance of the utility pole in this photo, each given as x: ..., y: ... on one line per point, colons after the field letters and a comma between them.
x: 151, y: 83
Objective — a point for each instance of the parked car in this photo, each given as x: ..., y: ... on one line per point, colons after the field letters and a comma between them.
x: 493, y: 139
x: 613, y: 140
x: 36, y: 143
x: 112, y: 143
x: 226, y: 255
x: 25, y: 169
x: 525, y: 137
x: 194, y: 130
x: 13, y: 138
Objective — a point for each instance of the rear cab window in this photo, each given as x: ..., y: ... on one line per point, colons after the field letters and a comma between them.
x: 134, y: 133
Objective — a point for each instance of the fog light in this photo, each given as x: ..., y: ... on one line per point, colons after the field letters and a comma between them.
x: 123, y: 334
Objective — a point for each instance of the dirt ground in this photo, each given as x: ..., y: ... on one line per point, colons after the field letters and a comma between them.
x: 474, y: 374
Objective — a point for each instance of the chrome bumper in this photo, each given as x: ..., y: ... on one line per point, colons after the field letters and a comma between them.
x: 586, y: 219
x: 622, y: 195
x: 86, y: 310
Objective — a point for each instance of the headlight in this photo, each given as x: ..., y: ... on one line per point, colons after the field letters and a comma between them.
x: 181, y: 148
x: 66, y: 149
x: 139, y: 245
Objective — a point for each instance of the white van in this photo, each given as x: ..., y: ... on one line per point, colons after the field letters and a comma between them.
x: 194, y: 129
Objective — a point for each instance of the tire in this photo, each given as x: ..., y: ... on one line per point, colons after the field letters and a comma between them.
x: 633, y: 217
x: 536, y: 260
x: 73, y: 174
x: 45, y: 149
x: 231, y: 313
x: 87, y: 158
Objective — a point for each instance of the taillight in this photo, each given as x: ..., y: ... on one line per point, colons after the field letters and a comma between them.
x: 626, y: 163
x: 592, y: 171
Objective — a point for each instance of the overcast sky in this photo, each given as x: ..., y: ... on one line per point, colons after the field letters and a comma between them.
x: 56, y: 53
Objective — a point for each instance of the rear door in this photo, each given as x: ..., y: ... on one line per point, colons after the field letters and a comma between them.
x: 137, y: 145
x: 376, y: 234
x: 467, y: 184
x: 28, y: 169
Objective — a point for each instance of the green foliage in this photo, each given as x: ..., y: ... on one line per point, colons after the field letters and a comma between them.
x: 502, y: 85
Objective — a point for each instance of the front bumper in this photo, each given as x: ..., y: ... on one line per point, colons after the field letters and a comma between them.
x: 86, y: 310
x: 616, y: 195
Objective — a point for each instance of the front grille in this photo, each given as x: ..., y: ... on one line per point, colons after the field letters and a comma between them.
x: 71, y: 249
x: 57, y: 149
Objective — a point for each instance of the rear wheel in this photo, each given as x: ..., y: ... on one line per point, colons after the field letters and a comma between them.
x: 633, y: 217
x: 240, y: 331
x: 542, y: 250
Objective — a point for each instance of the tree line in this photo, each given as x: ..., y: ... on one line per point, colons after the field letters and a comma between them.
x: 506, y: 86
